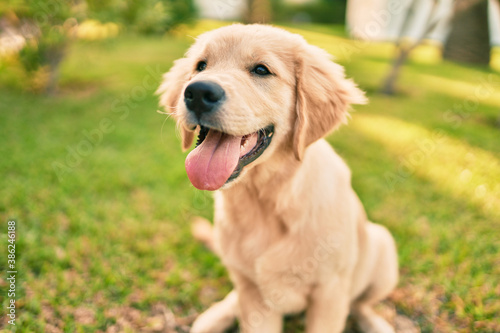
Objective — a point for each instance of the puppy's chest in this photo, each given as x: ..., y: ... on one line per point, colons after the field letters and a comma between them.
x: 244, y: 236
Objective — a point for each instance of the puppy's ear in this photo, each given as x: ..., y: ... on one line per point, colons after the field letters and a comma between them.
x: 323, y: 97
x: 171, y: 90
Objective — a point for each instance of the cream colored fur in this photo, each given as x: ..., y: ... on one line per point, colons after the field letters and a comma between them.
x: 290, y: 229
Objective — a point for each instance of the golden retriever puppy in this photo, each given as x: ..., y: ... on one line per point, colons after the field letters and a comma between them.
x: 288, y: 225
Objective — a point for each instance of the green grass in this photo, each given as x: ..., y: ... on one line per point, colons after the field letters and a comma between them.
x: 103, y: 239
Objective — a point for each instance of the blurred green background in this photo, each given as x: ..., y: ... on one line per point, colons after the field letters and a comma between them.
x: 94, y: 177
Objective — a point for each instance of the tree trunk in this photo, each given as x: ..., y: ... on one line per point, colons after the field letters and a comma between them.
x: 389, y: 85
x: 469, y: 39
x: 405, y: 47
x: 54, y: 55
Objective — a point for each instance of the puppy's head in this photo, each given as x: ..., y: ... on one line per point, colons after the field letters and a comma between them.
x: 249, y: 91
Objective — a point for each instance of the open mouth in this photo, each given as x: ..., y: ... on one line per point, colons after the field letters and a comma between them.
x: 219, y: 158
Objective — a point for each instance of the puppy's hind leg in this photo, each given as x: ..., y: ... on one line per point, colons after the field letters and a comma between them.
x: 219, y: 317
x: 203, y: 231
x: 385, y: 278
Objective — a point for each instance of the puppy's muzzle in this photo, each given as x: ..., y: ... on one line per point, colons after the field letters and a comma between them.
x: 203, y: 97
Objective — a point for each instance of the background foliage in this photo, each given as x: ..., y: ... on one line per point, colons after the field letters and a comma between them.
x: 49, y: 26
x: 321, y: 11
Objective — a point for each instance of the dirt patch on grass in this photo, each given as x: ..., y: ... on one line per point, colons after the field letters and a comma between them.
x: 160, y: 319
x: 78, y: 90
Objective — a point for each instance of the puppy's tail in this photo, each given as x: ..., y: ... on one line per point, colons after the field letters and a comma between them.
x: 203, y: 231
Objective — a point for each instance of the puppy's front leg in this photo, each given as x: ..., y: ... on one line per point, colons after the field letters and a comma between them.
x: 256, y: 316
x: 219, y: 317
x: 329, y: 307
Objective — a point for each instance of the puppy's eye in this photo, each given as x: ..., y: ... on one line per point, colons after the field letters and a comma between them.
x: 261, y: 70
x: 200, y: 67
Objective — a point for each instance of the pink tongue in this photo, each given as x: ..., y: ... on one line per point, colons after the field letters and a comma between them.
x: 211, y: 164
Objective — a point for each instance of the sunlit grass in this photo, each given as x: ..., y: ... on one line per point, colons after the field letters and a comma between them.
x: 462, y: 171
x: 94, y: 30
x: 479, y: 89
x: 193, y: 30
x: 495, y: 58
x: 427, y: 53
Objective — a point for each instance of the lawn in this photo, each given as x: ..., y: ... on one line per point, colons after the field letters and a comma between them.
x: 95, y: 180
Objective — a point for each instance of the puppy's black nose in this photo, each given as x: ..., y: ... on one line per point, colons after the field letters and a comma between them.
x: 203, y: 96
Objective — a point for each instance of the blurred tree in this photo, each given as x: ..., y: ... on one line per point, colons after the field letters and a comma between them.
x: 143, y: 16
x: 258, y: 11
x: 103, y: 10
x: 319, y: 11
x: 469, y: 39
x: 328, y: 11
x: 433, y: 16
x: 181, y: 11
x: 47, y: 27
